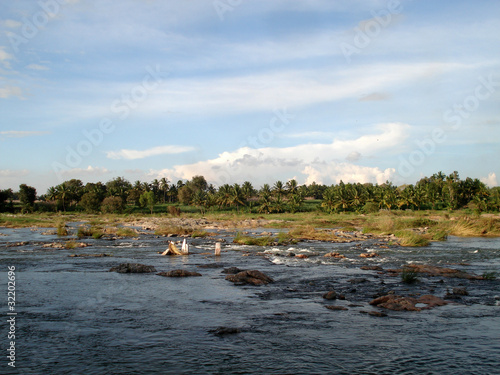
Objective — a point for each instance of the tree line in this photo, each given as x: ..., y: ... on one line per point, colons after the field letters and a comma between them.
x: 437, y: 192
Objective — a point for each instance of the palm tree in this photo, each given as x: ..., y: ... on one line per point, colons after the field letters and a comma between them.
x: 291, y: 186
x: 279, y: 189
x: 164, y: 188
x: 223, y: 195
x: 236, y: 196
x: 63, y: 193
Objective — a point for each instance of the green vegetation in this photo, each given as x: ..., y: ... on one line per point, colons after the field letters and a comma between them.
x: 408, y: 237
x: 200, y: 234
x: 70, y: 244
x: 126, y: 232
x: 254, y: 241
x: 489, y: 275
x: 61, y: 229
x: 409, y: 275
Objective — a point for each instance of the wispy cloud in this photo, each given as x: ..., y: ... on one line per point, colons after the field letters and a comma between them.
x: 8, y: 173
x: 141, y: 154
x: 376, y: 96
x: 37, y: 67
x: 85, y: 172
x: 20, y: 133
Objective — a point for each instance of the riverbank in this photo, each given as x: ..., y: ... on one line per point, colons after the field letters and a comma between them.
x: 406, y: 227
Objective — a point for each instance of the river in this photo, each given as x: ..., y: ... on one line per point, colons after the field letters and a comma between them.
x: 76, y: 317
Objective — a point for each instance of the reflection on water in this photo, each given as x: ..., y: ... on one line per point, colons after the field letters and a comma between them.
x: 76, y: 317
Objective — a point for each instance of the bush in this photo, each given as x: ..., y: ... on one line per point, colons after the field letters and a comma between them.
x: 174, y: 211
x: 409, y: 275
x: 61, y: 229
x: 112, y: 205
x: 90, y: 202
x: 370, y: 208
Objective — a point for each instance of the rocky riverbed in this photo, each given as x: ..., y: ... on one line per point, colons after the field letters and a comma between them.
x: 310, y: 307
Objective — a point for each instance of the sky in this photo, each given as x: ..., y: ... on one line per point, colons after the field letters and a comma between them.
x: 248, y: 90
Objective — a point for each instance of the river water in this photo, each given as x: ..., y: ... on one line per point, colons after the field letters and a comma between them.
x: 76, y: 317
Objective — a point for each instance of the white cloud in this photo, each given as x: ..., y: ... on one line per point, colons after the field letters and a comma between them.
x: 5, y: 57
x: 12, y: 24
x: 37, y: 67
x: 9, y: 91
x: 85, y: 172
x: 21, y: 133
x: 317, y: 162
x: 141, y: 154
x: 491, y: 180
x: 8, y: 173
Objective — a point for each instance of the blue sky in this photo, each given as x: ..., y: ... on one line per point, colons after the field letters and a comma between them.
x: 259, y: 90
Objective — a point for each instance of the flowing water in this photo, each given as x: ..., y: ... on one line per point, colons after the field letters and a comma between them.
x: 76, y: 317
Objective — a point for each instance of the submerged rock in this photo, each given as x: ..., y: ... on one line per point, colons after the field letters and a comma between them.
x: 371, y: 268
x: 232, y: 270
x: 336, y: 308
x: 368, y: 255
x: 89, y: 255
x: 330, y: 295
x: 178, y: 273
x: 439, y: 271
x: 222, y: 331
x: 133, y: 268
x: 399, y: 303
x: 252, y: 277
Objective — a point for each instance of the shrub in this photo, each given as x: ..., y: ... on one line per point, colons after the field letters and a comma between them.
x: 174, y: 211
x: 91, y: 202
x: 409, y: 275
x: 61, y: 229
x: 112, y: 205
x: 370, y: 208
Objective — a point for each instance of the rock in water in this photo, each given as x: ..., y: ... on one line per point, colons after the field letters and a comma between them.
x: 178, y: 273
x: 222, y: 331
x: 132, y: 268
x: 330, y: 295
x: 252, y: 277
x: 232, y: 270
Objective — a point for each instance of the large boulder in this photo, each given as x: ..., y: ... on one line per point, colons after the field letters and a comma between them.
x: 132, y: 268
x: 439, y: 271
x: 178, y: 273
x: 252, y: 277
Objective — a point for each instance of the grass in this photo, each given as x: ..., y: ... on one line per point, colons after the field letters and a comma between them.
x: 253, y: 241
x: 126, y: 232
x: 200, y: 234
x: 70, y: 245
x: 489, y: 275
x: 61, y: 229
x: 310, y: 233
x: 467, y: 226
x: 165, y: 230
x: 409, y: 275
x: 410, y: 238
x: 95, y: 232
